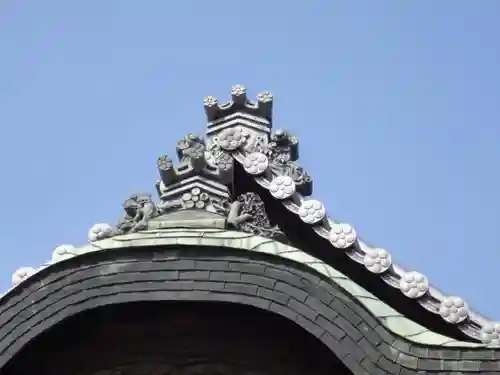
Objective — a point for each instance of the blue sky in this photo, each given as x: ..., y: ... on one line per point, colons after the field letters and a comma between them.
x: 396, y: 104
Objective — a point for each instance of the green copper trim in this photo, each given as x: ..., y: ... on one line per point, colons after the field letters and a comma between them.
x: 390, y: 318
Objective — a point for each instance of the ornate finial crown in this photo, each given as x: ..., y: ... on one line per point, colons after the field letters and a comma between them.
x: 240, y: 103
x: 238, y: 133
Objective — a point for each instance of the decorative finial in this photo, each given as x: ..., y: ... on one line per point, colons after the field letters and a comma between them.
x: 265, y: 97
x: 210, y: 101
x: 211, y: 106
x: 166, y: 169
x: 265, y: 100
x: 261, y: 108
x: 239, y: 94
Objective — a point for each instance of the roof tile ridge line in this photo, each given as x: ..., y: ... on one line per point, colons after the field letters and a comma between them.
x: 343, y: 236
x: 71, y: 251
x: 66, y: 251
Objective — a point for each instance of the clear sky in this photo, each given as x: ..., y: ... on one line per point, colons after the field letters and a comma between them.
x: 396, y: 104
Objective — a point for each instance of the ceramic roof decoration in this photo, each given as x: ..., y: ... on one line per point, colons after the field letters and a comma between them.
x: 241, y: 187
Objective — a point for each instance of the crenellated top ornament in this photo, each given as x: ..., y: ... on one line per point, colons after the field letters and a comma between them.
x: 193, y: 161
x: 204, y: 176
x: 239, y: 102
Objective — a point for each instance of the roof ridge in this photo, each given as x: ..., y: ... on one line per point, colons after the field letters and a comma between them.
x: 239, y: 134
x: 388, y: 317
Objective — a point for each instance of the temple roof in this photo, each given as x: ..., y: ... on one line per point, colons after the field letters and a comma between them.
x: 174, y: 232
x: 241, y: 186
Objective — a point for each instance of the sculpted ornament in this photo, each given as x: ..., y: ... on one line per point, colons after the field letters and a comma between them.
x: 283, y: 151
x: 22, y: 274
x: 191, y: 151
x: 255, y: 143
x: 139, y: 208
x: 248, y: 214
x: 413, y: 284
x: 100, y: 231
x: 62, y: 252
x: 454, y: 309
x: 231, y: 138
x: 195, y: 159
x: 218, y: 158
x: 283, y: 146
x: 195, y: 199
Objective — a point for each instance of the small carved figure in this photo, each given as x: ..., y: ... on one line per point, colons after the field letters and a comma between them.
x: 255, y: 143
x: 281, y: 136
x: 282, y: 153
x: 139, y: 208
x: 213, y: 152
x: 217, y: 157
x: 297, y: 173
x: 248, y: 214
x: 283, y: 147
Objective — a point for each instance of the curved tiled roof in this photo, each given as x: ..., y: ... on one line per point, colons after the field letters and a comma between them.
x: 390, y: 318
x: 240, y: 132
